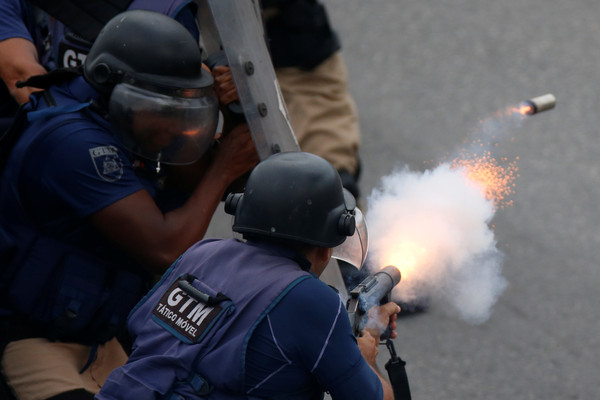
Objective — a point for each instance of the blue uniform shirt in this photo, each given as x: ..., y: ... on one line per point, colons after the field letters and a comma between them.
x: 17, y: 20
x: 307, y: 340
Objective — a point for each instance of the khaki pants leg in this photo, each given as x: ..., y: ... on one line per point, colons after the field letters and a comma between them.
x: 322, y: 112
x: 36, y: 369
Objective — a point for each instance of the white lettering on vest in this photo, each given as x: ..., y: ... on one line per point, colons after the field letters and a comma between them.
x: 199, y: 312
x: 72, y: 58
x: 186, y: 304
x: 174, y: 298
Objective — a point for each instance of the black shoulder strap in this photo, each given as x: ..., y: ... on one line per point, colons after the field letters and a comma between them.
x: 84, y: 17
x: 54, y: 77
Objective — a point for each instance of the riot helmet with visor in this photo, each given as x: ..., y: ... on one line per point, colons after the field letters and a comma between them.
x: 161, y: 100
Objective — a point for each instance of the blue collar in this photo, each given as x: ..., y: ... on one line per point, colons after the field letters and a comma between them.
x: 283, y: 251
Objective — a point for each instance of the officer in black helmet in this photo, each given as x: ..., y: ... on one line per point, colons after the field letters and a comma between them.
x: 249, y: 318
x: 93, y: 203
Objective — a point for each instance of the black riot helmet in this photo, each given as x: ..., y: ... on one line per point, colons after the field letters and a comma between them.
x: 161, y: 100
x: 294, y: 196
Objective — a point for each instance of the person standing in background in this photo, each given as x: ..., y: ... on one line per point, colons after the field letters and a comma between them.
x: 312, y: 74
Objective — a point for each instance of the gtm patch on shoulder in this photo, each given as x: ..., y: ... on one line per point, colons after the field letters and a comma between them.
x: 107, y: 162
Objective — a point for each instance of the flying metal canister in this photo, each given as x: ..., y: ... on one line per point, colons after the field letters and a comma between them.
x: 538, y: 104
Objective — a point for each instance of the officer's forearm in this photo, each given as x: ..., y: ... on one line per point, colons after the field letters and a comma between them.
x: 18, y: 61
x: 155, y: 239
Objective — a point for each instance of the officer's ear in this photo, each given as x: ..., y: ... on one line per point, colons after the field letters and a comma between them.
x: 319, y: 258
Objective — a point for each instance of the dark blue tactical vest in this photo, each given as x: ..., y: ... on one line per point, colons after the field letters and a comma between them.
x: 193, y: 328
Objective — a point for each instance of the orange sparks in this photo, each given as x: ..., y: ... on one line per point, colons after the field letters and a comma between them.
x: 495, y: 176
x: 497, y: 181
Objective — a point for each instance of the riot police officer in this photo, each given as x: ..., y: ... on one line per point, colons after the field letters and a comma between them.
x: 91, y: 207
x: 249, y: 318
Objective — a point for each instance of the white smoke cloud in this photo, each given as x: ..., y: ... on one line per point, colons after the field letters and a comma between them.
x: 435, y: 226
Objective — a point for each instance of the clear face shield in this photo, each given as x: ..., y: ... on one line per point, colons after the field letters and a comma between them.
x: 171, y: 126
x: 354, y: 249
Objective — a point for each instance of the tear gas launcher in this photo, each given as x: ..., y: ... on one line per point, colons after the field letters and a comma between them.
x: 372, y: 291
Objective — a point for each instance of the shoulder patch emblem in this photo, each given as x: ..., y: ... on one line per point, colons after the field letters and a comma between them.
x: 107, y: 162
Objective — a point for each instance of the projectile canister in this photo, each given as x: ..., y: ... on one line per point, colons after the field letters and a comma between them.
x: 542, y: 103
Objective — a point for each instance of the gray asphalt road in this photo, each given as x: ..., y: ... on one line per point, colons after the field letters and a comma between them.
x: 424, y: 74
